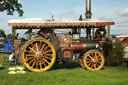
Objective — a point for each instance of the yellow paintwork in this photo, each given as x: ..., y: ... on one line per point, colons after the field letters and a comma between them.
x: 39, y: 69
x: 81, y: 62
x: 87, y: 66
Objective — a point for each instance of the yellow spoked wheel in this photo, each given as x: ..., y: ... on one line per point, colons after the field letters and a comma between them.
x: 81, y: 62
x: 38, y: 55
x: 93, y: 60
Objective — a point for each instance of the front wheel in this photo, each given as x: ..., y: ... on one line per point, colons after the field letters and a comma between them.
x: 38, y: 55
x: 93, y: 60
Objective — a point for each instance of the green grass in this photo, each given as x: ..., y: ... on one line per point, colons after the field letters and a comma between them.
x: 3, y: 55
x: 69, y: 74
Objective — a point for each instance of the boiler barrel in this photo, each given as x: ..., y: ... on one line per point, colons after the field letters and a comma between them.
x: 83, y: 46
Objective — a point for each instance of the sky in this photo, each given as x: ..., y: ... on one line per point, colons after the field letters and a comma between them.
x: 72, y: 9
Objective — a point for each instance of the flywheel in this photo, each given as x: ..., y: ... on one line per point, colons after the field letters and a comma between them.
x: 38, y: 55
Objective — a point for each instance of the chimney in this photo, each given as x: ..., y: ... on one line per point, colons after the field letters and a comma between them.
x: 88, y: 13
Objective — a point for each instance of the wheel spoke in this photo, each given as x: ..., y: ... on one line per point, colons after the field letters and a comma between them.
x: 89, y: 64
x: 30, y: 55
x: 46, y: 61
x: 32, y: 49
x: 34, y: 63
x: 91, y: 58
x: 97, y: 64
x: 29, y: 58
x: 45, y: 48
x: 48, y: 54
x: 31, y: 61
x: 28, y: 51
x: 42, y: 61
x: 42, y: 47
x: 37, y: 48
x: 96, y: 57
x: 88, y: 61
x: 92, y: 66
x: 40, y: 64
x: 47, y: 57
x: 93, y: 54
x: 47, y: 51
x: 37, y: 63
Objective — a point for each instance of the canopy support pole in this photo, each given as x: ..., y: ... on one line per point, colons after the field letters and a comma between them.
x: 108, y: 31
x: 13, y: 34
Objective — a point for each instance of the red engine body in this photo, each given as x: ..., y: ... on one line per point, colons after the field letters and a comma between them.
x: 69, y: 47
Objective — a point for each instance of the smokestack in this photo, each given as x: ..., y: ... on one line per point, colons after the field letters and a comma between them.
x: 88, y: 13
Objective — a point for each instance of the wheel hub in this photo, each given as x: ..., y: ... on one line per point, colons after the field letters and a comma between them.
x: 38, y: 55
x: 93, y: 60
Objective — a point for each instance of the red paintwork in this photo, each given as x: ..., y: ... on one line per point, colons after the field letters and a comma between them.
x: 43, y: 34
x: 120, y: 38
x: 64, y: 45
x: 67, y: 54
x: 77, y: 46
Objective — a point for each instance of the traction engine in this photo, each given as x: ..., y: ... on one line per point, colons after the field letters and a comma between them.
x: 39, y: 52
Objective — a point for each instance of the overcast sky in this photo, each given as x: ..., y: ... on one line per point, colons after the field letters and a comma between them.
x: 113, y: 9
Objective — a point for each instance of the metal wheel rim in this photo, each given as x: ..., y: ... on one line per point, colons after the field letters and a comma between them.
x: 38, y: 55
x: 95, y: 64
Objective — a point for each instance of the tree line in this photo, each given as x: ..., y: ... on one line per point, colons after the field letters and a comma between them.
x: 10, y: 6
x: 5, y: 37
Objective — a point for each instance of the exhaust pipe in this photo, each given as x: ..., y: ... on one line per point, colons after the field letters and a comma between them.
x: 88, y: 13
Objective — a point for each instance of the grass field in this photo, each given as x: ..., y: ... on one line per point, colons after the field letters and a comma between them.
x: 69, y: 74
x: 1, y: 57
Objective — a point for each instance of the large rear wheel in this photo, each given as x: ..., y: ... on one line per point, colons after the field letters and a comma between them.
x: 93, y: 60
x: 38, y: 55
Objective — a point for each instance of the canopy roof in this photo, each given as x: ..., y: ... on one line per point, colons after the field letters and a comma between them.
x: 58, y: 23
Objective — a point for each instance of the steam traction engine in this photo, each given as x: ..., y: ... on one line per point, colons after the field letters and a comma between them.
x: 42, y: 50
x: 45, y: 48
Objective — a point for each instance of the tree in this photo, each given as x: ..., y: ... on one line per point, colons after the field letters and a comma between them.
x: 10, y: 6
x: 9, y: 37
x: 115, y: 56
x: 2, y: 34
